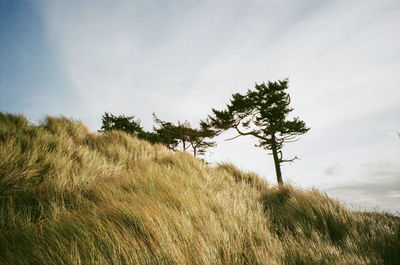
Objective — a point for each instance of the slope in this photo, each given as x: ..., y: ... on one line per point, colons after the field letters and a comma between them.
x: 70, y: 196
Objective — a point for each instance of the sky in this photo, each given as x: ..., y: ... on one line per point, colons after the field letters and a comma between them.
x: 180, y: 59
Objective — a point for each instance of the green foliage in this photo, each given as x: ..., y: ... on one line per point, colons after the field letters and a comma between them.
x: 164, y: 132
x: 198, y: 139
x: 129, y: 125
x: 121, y: 122
x: 184, y: 134
x: 169, y: 133
x: 263, y: 114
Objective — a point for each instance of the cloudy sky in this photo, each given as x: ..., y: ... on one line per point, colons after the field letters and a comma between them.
x: 179, y: 59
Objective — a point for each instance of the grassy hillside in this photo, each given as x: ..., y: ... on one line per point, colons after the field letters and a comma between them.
x: 69, y: 196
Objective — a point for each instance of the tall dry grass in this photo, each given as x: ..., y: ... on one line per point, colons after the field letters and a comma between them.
x: 69, y: 196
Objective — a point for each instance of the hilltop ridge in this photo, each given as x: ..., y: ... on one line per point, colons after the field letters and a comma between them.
x: 71, y: 196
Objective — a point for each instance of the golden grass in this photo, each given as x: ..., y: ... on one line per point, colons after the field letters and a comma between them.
x: 69, y: 196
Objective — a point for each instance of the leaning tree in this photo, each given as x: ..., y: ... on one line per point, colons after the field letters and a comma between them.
x: 121, y: 122
x: 263, y: 114
x: 200, y: 139
x: 183, y: 134
x: 130, y: 125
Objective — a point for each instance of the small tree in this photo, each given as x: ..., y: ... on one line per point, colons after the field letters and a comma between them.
x: 166, y: 132
x: 128, y: 124
x: 124, y: 123
x: 184, y: 134
x: 262, y: 113
x: 198, y: 139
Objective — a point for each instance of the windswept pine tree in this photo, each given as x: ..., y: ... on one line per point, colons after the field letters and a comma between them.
x: 121, y: 122
x: 170, y: 134
x: 199, y: 139
x: 262, y: 113
x: 129, y: 125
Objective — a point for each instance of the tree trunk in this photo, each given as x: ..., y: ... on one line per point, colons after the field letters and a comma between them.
x: 194, y: 151
x: 276, y: 160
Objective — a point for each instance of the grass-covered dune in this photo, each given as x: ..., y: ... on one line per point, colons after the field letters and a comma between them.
x: 70, y: 196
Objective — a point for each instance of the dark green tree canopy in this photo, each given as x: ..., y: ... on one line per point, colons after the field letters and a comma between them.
x: 167, y: 132
x: 124, y: 123
x: 171, y: 135
x: 262, y: 113
x: 200, y: 139
x: 128, y: 124
x: 184, y: 134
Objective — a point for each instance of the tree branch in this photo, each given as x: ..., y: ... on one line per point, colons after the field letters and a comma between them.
x: 291, y: 141
x: 288, y: 160
x: 233, y: 137
x: 250, y: 133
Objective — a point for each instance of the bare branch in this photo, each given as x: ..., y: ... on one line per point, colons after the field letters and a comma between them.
x: 250, y: 133
x: 292, y: 141
x: 288, y: 160
x: 233, y: 137
x: 288, y: 137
